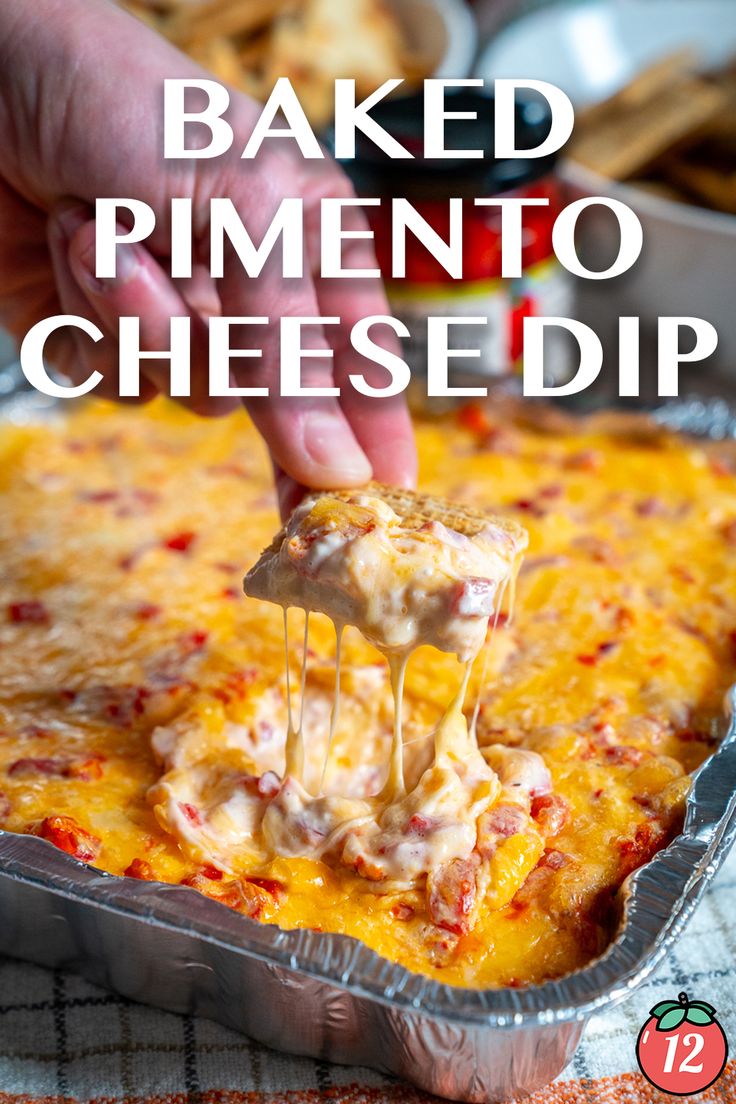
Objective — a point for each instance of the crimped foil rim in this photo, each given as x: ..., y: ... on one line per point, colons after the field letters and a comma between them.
x: 658, y: 898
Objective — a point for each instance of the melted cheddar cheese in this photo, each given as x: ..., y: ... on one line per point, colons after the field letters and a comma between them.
x: 131, y: 667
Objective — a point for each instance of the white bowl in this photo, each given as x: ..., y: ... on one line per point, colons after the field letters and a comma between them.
x: 590, y: 48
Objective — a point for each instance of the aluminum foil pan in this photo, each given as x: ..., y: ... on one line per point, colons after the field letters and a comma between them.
x: 331, y: 997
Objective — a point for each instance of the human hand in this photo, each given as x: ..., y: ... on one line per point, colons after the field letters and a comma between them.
x: 81, y: 94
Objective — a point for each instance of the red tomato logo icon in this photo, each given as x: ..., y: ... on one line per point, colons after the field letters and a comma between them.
x: 681, y: 1048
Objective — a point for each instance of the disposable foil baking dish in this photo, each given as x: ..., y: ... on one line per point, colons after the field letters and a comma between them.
x: 331, y: 997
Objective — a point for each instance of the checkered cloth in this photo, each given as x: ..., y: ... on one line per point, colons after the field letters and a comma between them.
x: 62, y: 1040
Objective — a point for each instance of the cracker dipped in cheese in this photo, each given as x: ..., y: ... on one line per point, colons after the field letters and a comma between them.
x: 407, y: 570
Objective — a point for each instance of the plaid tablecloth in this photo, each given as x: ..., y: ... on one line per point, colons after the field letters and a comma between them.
x: 62, y: 1040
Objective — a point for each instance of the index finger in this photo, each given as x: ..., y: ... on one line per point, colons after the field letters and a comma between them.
x: 381, y: 425
x: 309, y: 437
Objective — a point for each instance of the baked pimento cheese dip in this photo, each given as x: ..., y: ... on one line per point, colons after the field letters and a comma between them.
x: 146, y: 709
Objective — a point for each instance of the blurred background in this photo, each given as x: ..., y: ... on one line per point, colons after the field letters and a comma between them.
x: 654, y: 85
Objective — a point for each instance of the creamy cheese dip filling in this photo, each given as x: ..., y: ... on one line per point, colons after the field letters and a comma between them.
x: 404, y: 583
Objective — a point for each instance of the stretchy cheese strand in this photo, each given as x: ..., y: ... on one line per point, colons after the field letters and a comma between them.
x: 294, y: 765
x: 452, y: 731
x: 394, y: 788
x: 335, y: 712
x: 487, y: 652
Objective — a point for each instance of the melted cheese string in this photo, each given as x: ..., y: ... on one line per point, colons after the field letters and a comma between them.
x: 453, y: 728
x: 335, y: 713
x: 487, y: 651
x: 303, y: 682
x: 394, y: 788
x: 294, y: 765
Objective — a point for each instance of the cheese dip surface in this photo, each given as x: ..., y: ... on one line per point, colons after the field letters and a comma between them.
x: 147, y: 720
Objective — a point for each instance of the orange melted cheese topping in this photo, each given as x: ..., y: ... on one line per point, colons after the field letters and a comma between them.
x: 143, y: 702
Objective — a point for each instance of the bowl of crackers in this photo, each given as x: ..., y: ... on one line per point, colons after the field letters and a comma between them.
x: 249, y: 44
x: 653, y: 83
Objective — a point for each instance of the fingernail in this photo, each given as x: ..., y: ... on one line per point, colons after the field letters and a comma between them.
x: 329, y: 442
x: 127, y: 265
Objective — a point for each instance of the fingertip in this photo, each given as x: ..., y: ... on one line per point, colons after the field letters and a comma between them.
x: 386, y: 433
x: 315, y: 447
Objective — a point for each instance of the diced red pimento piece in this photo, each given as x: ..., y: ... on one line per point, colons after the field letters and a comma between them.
x: 275, y: 888
x: 529, y: 506
x: 124, y: 704
x: 141, y: 870
x: 127, y: 563
x: 101, y: 496
x: 553, y: 860
x: 237, y: 894
x: 588, y: 460
x: 551, y: 812
x: 66, y: 834
x: 474, y: 418
x: 269, y: 784
x: 87, y: 770
x: 499, y: 823
x: 371, y: 871
x: 193, y: 641
x: 504, y: 820
x: 419, y: 825
x: 212, y: 872
x: 625, y: 755
x: 316, y: 527
x: 451, y: 893
x: 191, y: 813
x: 648, y: 839
x: 28, y: 766
x: 552, y: 490
x: 31, y: 612
x: 235, y: 685
x: 300, y: 545
x: 180, y: 542
x: 474, y: 598
x: 653, y: 506
x: 148, y: 611
x: 402, y: 911
x: 603, y: 649
x: 227, y: 893
x: 84, y: 769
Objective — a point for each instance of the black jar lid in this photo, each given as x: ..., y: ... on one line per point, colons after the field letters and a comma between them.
x: 373, y: 173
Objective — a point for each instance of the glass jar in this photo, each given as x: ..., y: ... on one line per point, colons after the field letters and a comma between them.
x: 543, y: 289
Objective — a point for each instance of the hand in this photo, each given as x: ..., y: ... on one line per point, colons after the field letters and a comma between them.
x: 81, y: 94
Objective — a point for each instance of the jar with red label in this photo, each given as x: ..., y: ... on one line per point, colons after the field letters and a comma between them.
x: 544, y: 287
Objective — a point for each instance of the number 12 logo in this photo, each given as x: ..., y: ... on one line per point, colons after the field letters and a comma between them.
x: 682, y: 1048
